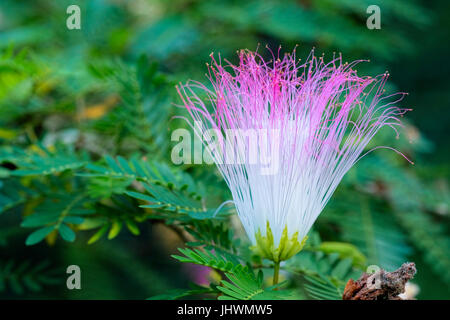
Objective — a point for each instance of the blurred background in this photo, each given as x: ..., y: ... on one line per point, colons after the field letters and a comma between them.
x: 108, y: 88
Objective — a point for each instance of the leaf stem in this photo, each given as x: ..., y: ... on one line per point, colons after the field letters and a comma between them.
x: 276, y: 271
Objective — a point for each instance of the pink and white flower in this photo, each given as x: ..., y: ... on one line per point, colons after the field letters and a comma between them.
x: 321, y: 116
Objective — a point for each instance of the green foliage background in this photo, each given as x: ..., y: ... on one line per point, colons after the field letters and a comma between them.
x: 86, y: 176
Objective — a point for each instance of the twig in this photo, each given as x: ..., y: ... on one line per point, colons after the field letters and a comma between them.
x: 380, y: 285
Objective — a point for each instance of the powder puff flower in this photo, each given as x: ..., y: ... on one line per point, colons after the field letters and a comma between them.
x: 317, y: 116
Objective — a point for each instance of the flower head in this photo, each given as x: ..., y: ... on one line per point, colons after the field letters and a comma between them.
x: 315, y: 118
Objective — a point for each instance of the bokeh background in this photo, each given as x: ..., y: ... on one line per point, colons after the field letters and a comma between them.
x: 79, y: 89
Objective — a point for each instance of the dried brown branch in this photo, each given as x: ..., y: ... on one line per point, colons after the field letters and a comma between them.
x: 381, y: 285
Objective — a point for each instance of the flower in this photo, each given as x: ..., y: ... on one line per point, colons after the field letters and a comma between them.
x: 316, y: 118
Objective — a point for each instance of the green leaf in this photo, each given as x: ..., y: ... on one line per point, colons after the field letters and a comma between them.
x: 40, y: 163
x: 38, y: 235
x: 27, y: 275
x: 56, y: 210
x: 242, y: 282
x: 115, y: 229
x: 345, y: 250
x: 320, y: 288
x: 132, y: 227
x: 66, y: 233
x: 98, y: 234
x: 140, y: 196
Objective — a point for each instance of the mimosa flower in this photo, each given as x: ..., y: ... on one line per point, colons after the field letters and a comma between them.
x: 319, y: 116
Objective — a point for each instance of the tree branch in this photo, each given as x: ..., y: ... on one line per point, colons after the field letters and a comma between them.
x: 380, y: 285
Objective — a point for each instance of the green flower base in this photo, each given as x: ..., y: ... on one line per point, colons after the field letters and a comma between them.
x: 287, y: 248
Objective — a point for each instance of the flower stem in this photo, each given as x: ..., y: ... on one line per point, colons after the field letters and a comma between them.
x: 276, y: 271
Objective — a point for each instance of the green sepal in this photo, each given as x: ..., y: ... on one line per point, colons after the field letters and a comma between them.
x: 288, y: 247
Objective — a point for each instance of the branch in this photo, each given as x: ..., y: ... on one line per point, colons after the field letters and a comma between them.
x: 380, y: 285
